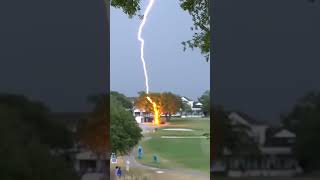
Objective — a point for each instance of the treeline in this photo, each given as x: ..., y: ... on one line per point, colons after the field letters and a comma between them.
x: 170, y: 103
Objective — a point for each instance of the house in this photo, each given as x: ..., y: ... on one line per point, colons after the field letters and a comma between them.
x: 275, y: 146
x: 195, y: 108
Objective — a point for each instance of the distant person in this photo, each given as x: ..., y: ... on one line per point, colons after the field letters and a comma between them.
x: 140, y: 152
x: 119, y: 172
x: 127, y: 165
x: 116, y: 171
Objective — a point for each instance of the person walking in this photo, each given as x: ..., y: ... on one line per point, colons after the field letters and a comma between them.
x: 119, y: 173
x: 116, y: 171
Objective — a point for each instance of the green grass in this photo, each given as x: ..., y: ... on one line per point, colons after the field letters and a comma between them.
x: 179, y: 153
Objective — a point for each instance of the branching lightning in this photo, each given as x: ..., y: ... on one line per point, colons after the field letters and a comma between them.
x: 144, y: 19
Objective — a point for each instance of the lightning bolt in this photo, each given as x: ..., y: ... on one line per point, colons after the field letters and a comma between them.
x: 144, y: 20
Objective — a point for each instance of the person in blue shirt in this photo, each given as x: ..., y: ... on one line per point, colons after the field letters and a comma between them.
x: 119, y: 172
x: 140, y: 152
x: 116, y: 171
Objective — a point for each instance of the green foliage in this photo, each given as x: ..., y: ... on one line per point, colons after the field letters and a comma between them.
x: 124, y: 130
x: 199, y: 10
x: 130, y: 7
x: 25, y: 146
x: 185, y: 107
x: 205, y: 100
x: 304, y: 121
x: 125, y: 102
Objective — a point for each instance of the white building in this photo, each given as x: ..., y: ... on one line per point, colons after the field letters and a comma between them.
x: 275, y: 146
x: 196, y: 108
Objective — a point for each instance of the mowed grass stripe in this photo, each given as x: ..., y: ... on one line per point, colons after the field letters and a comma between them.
x: 180, y: 153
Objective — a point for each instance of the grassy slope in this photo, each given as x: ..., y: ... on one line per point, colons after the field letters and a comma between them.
x: 180, y: 153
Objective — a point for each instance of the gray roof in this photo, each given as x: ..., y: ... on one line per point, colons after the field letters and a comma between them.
x: 249, y: 119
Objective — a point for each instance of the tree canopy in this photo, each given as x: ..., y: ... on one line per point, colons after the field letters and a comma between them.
x: 125, y: 132
x: 27, y: 139
x: 199, y: 10
x: 304, y: 121
x: 121, y: 98
x: 168, y: 103
x: 205, y: 101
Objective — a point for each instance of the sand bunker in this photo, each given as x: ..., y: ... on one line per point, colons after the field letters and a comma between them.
x: 183, y: 137
x: 177, y: 129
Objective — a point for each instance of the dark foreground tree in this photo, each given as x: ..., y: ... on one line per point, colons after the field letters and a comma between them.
x: 94, y: 132
x: 304, y: 120
x: 124, y: 132
x: 27, y: 139
x: 233, y: 137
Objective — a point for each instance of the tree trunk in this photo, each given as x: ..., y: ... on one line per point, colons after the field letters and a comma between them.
x: 167, y: 118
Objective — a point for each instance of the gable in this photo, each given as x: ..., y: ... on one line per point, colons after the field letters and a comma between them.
x: 284, y: 134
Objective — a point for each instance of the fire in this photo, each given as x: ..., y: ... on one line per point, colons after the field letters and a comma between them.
x: 156, y: 114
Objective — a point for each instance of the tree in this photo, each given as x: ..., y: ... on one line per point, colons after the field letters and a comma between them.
x: 171, y: 104
x: 94, y: 132
x: 125, y: 102
x: 198, y: 9
x: 234, y: 137
x: 125, y: 132
x: 25, y: 147
x: 129, y: 7
x: 205, y: 101
x: 304, y: 121
x: 36, y: 116
x: 185, y: 107
x: 167, y: 102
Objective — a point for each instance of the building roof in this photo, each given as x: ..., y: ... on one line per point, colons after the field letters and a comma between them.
x: 248, y: 118
x: 186, y: 98
x: 197, y: 105
x: 279, y: 132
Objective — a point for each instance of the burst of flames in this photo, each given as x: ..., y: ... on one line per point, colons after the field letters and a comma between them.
x: 156, y: 114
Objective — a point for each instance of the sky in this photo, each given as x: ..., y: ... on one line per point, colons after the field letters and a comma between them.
x: 54, y: 51
x: 169, y: 67
x: 267, y: 55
